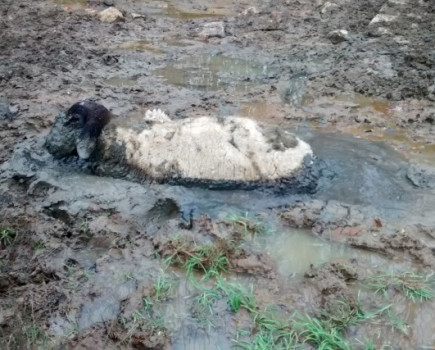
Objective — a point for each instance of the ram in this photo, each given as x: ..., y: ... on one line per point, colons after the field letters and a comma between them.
x: 216, y: 150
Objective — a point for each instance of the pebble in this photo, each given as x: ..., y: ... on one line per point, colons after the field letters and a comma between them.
x: 213, y: 29
x: 110, y: 15
x: 338, y: 36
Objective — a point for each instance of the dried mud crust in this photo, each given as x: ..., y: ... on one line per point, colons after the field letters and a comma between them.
x: 331, y: 282
x: 361, y: 228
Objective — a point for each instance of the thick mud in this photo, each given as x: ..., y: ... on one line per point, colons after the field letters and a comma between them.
x: 92, y: 262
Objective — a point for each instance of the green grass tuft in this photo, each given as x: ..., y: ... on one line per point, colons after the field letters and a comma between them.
x: 321, y: 334
x: 7, y: 236
x: 208, y: 259
x: 163, y: 288
x: 247, y: 226
x: 413, y: 286
x: 238, y: 296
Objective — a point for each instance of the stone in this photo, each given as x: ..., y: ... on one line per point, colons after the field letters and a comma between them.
x: 328, y: 7
x: 381, y: 18
x: 137, y: 15
x: 110, y: 15
x: 250, y: 11
x: 213, y: 29
x: 338, y: 36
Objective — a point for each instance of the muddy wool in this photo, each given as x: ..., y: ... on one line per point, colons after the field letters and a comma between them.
x: 205, y: 148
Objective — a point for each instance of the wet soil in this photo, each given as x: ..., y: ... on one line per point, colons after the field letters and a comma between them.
x: 80, y: 253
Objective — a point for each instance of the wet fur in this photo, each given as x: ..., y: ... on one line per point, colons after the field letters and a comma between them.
x: 225, y: 151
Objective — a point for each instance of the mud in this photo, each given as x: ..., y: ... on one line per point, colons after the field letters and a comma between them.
x: 81, y: 254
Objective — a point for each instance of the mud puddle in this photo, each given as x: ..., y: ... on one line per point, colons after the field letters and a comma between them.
x: 212, y: 73
x: 296, y: 250
x: 72, y: 4
x: 139, y: 45
x: 214, y: 11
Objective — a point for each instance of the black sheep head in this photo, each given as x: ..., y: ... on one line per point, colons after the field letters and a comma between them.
x: 77, y: 130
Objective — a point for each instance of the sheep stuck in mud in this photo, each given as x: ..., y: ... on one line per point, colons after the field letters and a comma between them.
x: 223, y: 151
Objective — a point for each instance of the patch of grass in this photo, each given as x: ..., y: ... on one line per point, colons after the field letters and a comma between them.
x: 7, y: 236
x: 202, y: 309
x: 128, y: 277
x: 320, y: 333
x: 25, y: 334
x: 139, y: 316
x: 84, y: 226
x: 266, y: 339
x: 150, y: 315
x: 269, y: 332
x: 163, y: 288
x: 208, y: 298
x: 37, y: 336
x: 39, y: 245
x: 70, y: 270
x: 209, y: 259
x: 238, y: 296
x: 342, y: 314
x: 413, y: 286
x: 147, y: 304
x: 73, y: 325
x: 327, y: 330
x: 247, y: 226
x: 397, y: 322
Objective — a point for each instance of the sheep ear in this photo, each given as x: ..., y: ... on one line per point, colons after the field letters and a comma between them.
x: 86, y: 146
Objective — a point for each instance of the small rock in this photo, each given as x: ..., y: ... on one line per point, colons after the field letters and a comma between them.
x: 90, y: 11
x: 328, y: 7
x: 382, y: 18
x: 397, y: 2
x: 380, y: 31
x: 250, y: 11
x: 338, y: 36
x: 137, y: 15
x: 213, y: 29
x: 110, y: 15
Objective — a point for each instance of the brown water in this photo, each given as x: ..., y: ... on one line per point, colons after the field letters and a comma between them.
x: 121, y: 82
x: 139, y: 45
x: 211, y: 73
x: 174, y: 12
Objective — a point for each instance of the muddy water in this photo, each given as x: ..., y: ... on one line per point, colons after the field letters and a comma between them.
x: 174, y: 12
x: 294, y: 250
x: 212, y: 73
x: 139, y: 45
x: 356, y: 171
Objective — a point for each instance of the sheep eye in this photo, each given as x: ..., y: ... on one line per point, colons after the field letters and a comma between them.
x: 74, y: 119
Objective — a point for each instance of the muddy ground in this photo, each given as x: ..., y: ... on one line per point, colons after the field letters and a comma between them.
x: 81, y: 256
